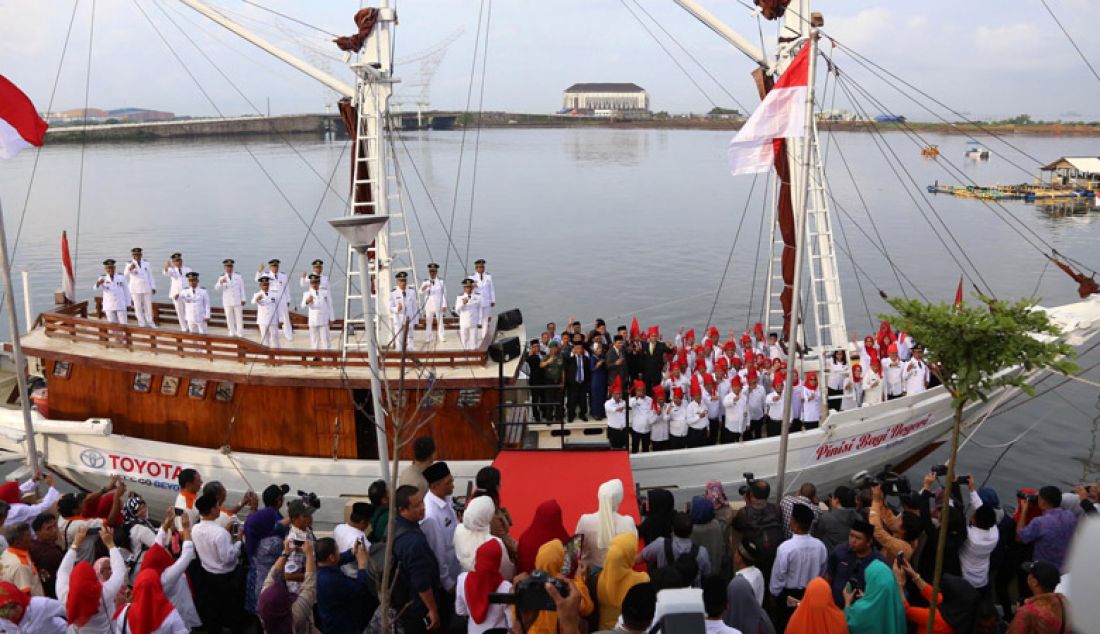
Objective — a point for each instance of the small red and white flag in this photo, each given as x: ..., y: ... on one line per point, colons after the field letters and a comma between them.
x: 68, y: 286
x: 781, y: 115
x: 20, y: 125
x: 959, y: 293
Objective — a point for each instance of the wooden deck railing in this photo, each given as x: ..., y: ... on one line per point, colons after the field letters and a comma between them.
x: 71, y: 322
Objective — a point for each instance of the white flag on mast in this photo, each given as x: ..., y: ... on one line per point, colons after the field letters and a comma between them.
x: 781, y: 115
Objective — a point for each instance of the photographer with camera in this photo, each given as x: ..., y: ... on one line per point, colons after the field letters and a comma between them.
x: 760, y: 521
x: 908, y: 530
x: 1051, y: 532
x: 549, y: 564
x: 281, y: 610
x: 833, y: 526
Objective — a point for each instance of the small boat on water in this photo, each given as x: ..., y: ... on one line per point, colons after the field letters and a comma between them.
x: 977, y: 152
x: 930, y: 151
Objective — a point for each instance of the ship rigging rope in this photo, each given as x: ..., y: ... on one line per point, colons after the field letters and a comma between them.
x: 83, y: 138
x: 477, y: 134
x: 1071, y: 40
x: 271, y: 179
x: 465, y: 129
x: 885, y: 146
x: 686, y: 52
x: 733, y: 247
x: 428, y: 194
x: 288, y: 17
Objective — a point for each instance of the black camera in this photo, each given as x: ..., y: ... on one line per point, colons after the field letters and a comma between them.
x: 939, y: 470
x: 893, y: 484
x: 530, y: 593
x: 961, y: 480
x: 310, y: 498
x: 749, y: 480
x: 1031, y: 498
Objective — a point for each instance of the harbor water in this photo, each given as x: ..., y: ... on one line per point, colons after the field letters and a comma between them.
x: 588, y: 223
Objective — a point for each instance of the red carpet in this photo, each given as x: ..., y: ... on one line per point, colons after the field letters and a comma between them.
x: 529, y: 478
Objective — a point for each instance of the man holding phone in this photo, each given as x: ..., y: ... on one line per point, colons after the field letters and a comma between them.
x: 848, y: 561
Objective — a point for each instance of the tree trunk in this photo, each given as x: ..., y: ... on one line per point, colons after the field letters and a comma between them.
x: 945, y: 517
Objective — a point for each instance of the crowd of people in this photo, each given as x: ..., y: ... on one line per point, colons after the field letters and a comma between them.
x: 860, y: 560
x: 656, y: 394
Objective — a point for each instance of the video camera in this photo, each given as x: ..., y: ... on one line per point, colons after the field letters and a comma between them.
x: 310, y: 498
x: 891, y: 483
x: 1032, y: 498
x: 530, y: 593
x: 749, y: 481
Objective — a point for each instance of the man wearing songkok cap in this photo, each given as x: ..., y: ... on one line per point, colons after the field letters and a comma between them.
x: 615, y: 407
x: 435, y: 304
x: 233, y: 297
x: 745, y: 557
x: 797, y: 562
x: 196, y: 304
x: 175, y: 271
x: 116, y: 297
x: 440, y: 521
x: 318, y: 269
x: 468, y: 307
x: 318, y: 303
x: 279, y: 289
x: 142, y: 287
x: 267, y: 313
x: 404, y: 312
x: 848, y: 561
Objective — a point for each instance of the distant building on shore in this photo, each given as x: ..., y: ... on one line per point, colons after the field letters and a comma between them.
x: 95, y: 115
x: 605, y: 99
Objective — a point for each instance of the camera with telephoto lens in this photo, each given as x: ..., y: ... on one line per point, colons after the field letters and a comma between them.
x: 749, y: 480
x: 529, y: 594
x: 892, y: 483
x: 939, y: 470
x: 1031, y: 498
x: 310, y: 498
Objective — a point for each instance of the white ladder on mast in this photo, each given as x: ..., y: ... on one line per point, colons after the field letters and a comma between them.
x: 827, y: 303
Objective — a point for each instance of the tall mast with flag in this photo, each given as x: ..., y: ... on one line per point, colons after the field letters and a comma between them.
x: 68, y: 286
x: 20, y: 128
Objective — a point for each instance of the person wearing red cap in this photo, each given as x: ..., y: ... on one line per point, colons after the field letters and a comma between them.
x: 810, y: 395
x: 20, y: 612
x: 736, y: 408
x: 853, y: 389
x: 695, y: 413
x: 658, y: 422
x: 150, y: 611
x: 677, y: 420
x: 755, y: 404
x: 893, y: 373
x: 713, y: 403
x: 615, y: 409
x: 89, y: 603
x: 20, y: 512
x: 873, y: 392
x: 641, y: 417
x: 675, y: 378
x: 773, y: 417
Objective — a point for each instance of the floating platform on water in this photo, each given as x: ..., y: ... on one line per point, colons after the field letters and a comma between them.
x: 1027, y: 193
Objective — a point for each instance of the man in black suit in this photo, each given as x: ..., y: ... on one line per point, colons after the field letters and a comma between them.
x: 653, y: 363
x: 578, y: 377
x: 617, y: 362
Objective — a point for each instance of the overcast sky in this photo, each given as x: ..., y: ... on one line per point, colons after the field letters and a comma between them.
x: 984, y: 57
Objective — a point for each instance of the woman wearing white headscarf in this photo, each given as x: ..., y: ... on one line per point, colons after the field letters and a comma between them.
x: 474, y: 531
x: 601, y: 527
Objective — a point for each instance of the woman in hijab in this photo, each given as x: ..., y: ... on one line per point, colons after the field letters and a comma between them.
x: 20, y: 612
x: 150, y: 612
x: 475, y: 586
x: 743, y: 611
x: 282, y: 611
x: 173, y: 579
x: 550, y: 558
x: 617, y: 577
x: 545, y: 527
x: 140, y: 533
x: 601, y: 527
x: 880, y: 609
x: 717, y: 496
x: 88, y: 598
x: 264, y: 532
x: 474, y: 531
x: 708, y: 533
x: 957, y: 605
x: 817, y: 612
x: 658, y: 519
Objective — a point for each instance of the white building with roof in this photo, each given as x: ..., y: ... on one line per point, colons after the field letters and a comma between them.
x: 606, y: 97
x: 1081, y: 172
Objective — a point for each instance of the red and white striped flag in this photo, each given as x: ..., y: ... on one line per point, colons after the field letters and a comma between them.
x: 67, y: 285
x: 781, y: 115
x: 20, y: 125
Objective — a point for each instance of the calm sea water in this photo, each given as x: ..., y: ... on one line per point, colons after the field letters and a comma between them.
x: 593, y: 223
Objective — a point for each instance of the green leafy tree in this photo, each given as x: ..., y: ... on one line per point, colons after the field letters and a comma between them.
x: 974, y: 350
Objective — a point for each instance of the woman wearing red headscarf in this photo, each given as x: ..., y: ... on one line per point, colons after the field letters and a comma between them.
x: 474, y: 587
x: 817, y: 612
x: 173, y: 579
x: 150, y: 612
x: 546, y: 526
x: 20, y: 612
x: 89, y: 603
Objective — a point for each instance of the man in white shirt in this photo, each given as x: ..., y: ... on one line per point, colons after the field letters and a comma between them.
x: 696, y: 417
x: 677, y: 420
x: 267, y: 314
x: 115, y: 295
x: 735, y: 403
x: 615, y: 408
x: 190, y: 485
x: 658, y: 422
x: 810, y: 396
x: 916, y: 373
x: 318, y: 303
x: 715, y: 602
x: 641, y: 417
x: 232, y: 287
x: 219, y: 553
x: 353, y: 532
x: 893, y: 374
x: 196, y: 305
x: 319, y: 271
x: 982, y: 536
x: 744, y: 562
x: 435, y: 304
x: 278, y: 284
x: 175, y: 271
x: 773, y: 407
x: 20, y: 513
x: 797, y: 561
x: 468, y: 307
x: 142, y: 287
x: 404, y: 312
x: 755, y: 401
x: 713, y: 404
x: 440, y: 521
x: 487, y: 294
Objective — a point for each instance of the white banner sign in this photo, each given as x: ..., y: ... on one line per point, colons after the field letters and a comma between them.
x: 853, y: 445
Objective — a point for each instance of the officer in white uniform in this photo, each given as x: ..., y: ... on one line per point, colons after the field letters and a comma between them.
x: 232, y: 287
x: 278, y: 288
x: 435, y: 303
x: 318, y: 270
x: 196, y: 305
x: 319, y: 305
x: 484, y: 283
x: 115, y: 296
x: 142, y: 287
x: 468, y: 307
x: 267, y: 313
x: 404, y: 312
x: 177, y: 272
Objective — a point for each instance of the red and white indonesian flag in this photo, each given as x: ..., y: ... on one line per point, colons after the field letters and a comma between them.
x: 781, y: 115
x: 20, y: 125
x: 67, y: 285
